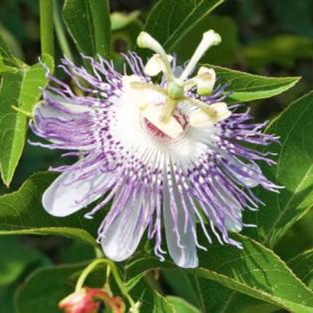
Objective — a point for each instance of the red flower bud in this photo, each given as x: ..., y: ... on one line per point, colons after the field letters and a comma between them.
x: 87, y: 300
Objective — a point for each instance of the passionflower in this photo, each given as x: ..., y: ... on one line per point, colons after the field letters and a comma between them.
x: 159, y: 143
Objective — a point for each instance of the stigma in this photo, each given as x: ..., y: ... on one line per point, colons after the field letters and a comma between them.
x: 174, y: 91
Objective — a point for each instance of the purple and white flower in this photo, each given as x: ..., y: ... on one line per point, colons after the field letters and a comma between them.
x: 170, y: 154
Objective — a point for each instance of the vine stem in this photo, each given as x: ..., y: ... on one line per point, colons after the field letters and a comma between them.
x: 59, y: 30
x: 46, y: 27
x: 117, y: 278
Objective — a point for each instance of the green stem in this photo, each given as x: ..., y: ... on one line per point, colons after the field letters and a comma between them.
x: 46, y: 27
x: 59, y: 30
x: 27, y: 114
x: 117, y: 278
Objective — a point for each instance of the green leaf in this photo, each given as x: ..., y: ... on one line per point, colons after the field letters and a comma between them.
x: 181, y: 306
x: 45, y: 288
x: 22, y: 212
x: 221, y: 299
x: 7, y: 298
x: 294, y: 171
x: 21, y: 89
x: 302, y: 266
x: 210, y: 296
x: 15, y: 258
x: 186, y: 286
x: 172, y: 304
x: 161, y: 304
x: 6, y: 68
x: 7, y: 59
x: 170, y: 20
x: 5, y: 52
x: 247, y: 87
x: 152, y: 301
x: 254, y: 270
x: 89, y: 24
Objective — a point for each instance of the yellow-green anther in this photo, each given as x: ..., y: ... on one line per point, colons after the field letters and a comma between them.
x: 205, y: 81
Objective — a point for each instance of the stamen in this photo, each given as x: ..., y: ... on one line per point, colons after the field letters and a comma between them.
x: 209, y: 115
x: 205, y: 81
x: 144, y: 40
x: 155, y: 65
x: 209, y: 39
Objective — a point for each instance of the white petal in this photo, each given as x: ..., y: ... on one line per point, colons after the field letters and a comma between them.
x: 183, y: 250
x: 66, y: 196
x: 122, y: 236
x: 47, y: 111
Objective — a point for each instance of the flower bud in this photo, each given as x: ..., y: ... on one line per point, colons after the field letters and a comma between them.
x: 88, y: 300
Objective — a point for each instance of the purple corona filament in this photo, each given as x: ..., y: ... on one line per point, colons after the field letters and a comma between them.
x: 154, y: 174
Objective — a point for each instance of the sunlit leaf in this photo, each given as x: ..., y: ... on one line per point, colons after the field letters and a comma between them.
x: 247, y: 87
x: 21, y: 89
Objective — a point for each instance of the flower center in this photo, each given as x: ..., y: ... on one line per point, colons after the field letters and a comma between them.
x: 158, y: 134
